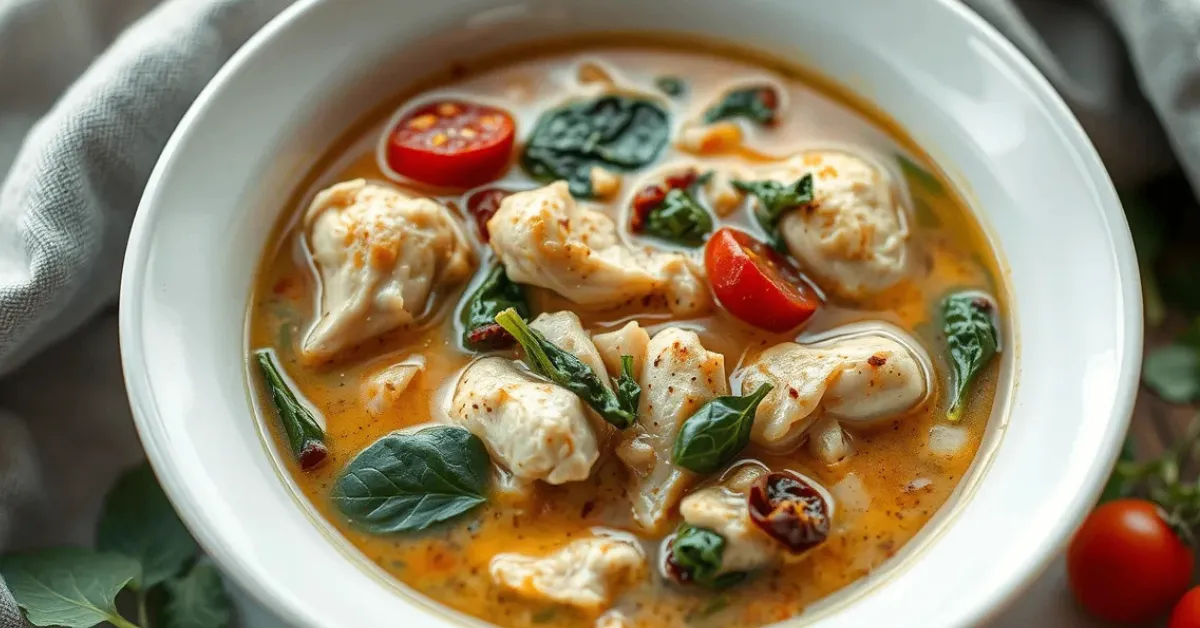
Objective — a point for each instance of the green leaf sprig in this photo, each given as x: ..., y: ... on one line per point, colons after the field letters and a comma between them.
x: 629, y: 392
x: 971, y: 342
x: 759, y: 104
x: 405, y: 482
x: 568, y: 371
x: 142, y: 547
x: 720, y: 429
x: 776, y: 199
x: 679, y: 219
x: 496, y: 294
x: 670, y: 85
x: 696, y: 555
x: 304, y: 435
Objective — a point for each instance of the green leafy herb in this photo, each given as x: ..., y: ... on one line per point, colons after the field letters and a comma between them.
x: 629, y: 393
x: 670, y: 85
x: 1173, y: 372
x: 409, y: 481
x: 1148, y: 241
x: 696, y: 555
x: 971, y: 340
x: 614, y: 132
x: 197, y: 599
x: 776, y: 199
x: 69, y: 586
x: 679, y: 219
x: 1119, y: 485
x: 305, y: 436
x: 717, y: 431
x: 140, y: 523
x: 758, y: 104
x: 920, y: 176
x: 496, y: 294
x: 568, y: 371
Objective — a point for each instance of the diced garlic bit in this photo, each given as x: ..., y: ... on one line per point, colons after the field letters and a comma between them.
x: 544, y: 238
x: 724, y: 511
x: 918, y: 484
x: 605, y: 183
x: 383, y: 389
x: 723, y: 197
x: 592, y: 72
x: 867, y: 372
x: 535, y: 429
x: 679, y: 377
x: 948, y: 440
x: 828, y: 442
x: 851, y: 497
x: 565, y: 331
x: 708, y: 139
x: 630, y: 340
x: 854, y: 235
x: 587, y: 573
x: 380, y: 254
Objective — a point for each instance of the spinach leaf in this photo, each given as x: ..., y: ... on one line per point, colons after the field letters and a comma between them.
x: 971, y: 338
x: 696, y: 554
x: 409, y: 481
x: 305, y: 436
x: 614, y: 132
x: 1120, y: 484
x: 717, y: 432
x: 496, y: 294
x: 670, y: 85
x: 776, y: 199
x: 1173, y: 372
x: 629, y: 393
x: 197, y: 599
x: 568, y: 371
x: 758, y: 104
x: 920, y: 176
x: 140, y: 523
x: 679, y: 219
x: 69, y: 586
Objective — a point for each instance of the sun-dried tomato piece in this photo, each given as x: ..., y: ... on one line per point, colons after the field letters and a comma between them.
x: 790, y: 509
x: 482, y: 205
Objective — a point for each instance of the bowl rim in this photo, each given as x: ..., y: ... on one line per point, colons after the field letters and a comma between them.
x: 141, y: 394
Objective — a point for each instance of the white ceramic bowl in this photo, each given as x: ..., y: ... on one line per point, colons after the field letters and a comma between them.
x: 964, y: 93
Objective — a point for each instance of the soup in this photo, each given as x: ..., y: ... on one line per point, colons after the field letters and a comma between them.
x: 619, y: 333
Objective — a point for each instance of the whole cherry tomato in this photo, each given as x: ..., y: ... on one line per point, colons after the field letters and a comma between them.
x: 1126, y: 564
x: 452, y: 143
x: 755, y: 283
x: 1187, y: 611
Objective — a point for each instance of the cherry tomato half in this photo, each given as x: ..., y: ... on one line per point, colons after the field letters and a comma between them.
x: 1187, y: 611
x: 755, y: 283
x: 1125, y: 564
x: 451, y: 143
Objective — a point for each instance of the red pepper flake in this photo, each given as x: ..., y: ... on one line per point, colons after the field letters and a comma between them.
x: 490, y: 336
x: 482, y: 205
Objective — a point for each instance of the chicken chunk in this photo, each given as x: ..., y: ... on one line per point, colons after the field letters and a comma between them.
x: 679, y: 377
x: 564, y: 330
x: 384, y: 388
x: 854, y: 236
x: 380, y: 254
x: 535, y: 429
x: 544, y: 238
x: 865, y: 373
x: 630, y: 340
x: 587, y: 573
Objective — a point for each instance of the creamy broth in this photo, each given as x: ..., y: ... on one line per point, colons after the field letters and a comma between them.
x: 890, y: 486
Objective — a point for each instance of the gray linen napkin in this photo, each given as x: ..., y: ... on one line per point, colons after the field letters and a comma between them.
x: 87, y: 103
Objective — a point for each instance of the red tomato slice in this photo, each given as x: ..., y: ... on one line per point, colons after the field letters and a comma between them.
x: 756, y: 284
x: 452, y: 143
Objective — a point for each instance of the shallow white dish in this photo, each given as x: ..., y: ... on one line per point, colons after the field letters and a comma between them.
x: 964, y: 93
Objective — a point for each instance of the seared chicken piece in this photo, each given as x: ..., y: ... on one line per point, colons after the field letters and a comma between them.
x: 869, y: 372
x: 386, y: 387
x: 723, y: 509
x: 564, y: 330
x: 535, y: 429
x: 679, y: 377
x: 544, y: 238
x: 587, y: 573
x: 380, y: 253
x: 630, y: 340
